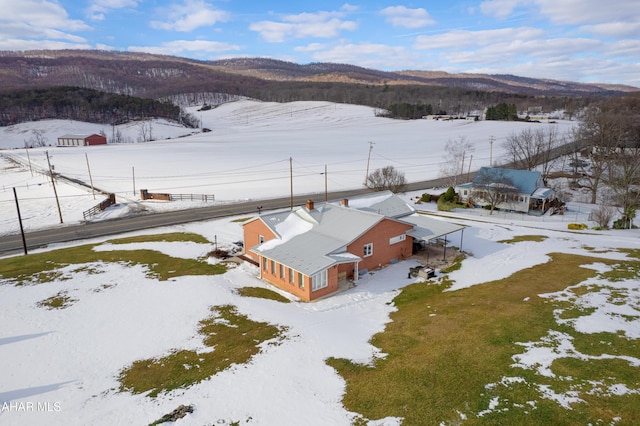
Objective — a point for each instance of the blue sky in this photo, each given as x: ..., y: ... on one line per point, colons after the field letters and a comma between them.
x: 574, y: 40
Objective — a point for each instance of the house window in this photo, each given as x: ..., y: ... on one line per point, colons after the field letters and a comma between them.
x: 464, y: 192
x: 368, y: 249
x: 319, y: 280
x: 273, y: 267
x: 261, y: 239
x: 265, y: 264
x: 300, y: 280
x: 281, y: 271
x: 397, y: 239
x: 291, y: 276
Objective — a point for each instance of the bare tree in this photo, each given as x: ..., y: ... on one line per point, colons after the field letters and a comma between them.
x: 387, y: 178
x: 602, y: 216
x: 532, y: 148
x: 37, y: 139
x: 457, y: 153
x: 607, y: 133
x: 493, y: 186
x: 145, y: 131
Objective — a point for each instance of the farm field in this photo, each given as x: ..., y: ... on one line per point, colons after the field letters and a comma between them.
x: 535, y: 325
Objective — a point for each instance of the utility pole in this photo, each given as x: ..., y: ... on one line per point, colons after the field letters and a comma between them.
x: 29, y: 158
x: 469, y: 169
x: 53, y: 182
x: 24, y: 241
x: 291, y: 183
x: 90, y: 178
x: 491, y: 152
x: 326, y: 194
x: 366, y: 176
x: 133, y: 173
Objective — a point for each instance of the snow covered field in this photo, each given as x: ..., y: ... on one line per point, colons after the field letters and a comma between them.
x: 245, y: 156
x: 65, y: 362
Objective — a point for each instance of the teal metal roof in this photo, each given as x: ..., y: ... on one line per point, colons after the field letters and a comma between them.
x: 525, y: 180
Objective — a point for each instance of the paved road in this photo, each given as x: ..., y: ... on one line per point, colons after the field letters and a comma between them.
x: 12, y: 244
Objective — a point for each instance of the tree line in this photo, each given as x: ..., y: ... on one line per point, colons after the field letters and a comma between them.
x: 81, y: 104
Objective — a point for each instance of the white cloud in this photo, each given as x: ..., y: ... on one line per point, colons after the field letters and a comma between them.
x: 614, y: 29
x: 177, y: 47
x: 190, y: 15
x: 500, y: 9
x: 34, y: 14
x: 98, y: 9
x: 463, y: 39
x: 577, y: 12
x: 319, y: 25
x: 401, y: 16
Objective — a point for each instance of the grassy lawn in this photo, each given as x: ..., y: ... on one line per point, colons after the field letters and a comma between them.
x: 235, y: 337
x: 42, y: 267
x: 262, y: 293
x: 449, y: 355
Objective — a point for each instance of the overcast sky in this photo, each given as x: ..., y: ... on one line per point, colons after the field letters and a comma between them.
x: 574, y: 40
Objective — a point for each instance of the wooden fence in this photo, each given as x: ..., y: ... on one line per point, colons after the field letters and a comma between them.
x: 146, y: 195
x: 100, y: 207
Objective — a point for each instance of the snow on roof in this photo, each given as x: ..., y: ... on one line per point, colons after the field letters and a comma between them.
x: 385, y: 203
x: 290, y: 227
x: 428, y: 228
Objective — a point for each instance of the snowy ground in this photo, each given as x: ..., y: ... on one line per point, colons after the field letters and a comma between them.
x: 245, y: 156
x: 65, y: 362
x: 70, y: 358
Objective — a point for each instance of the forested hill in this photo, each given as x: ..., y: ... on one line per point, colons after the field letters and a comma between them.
x: 73, y: 103
x: 28, y: 79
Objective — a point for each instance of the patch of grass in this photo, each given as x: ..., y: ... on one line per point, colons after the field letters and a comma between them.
x: 234, y: 337
x: 455, y: 265
x: 242, y: 219
x: 59, y: 301
x: 262, y: 293
x: 444, y: 348
x: 520, y: 238
x: 168, y: 237
x: 42, y: 267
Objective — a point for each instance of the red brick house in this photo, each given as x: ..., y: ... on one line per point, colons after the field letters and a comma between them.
x: 81, y: 140
x: 310, y: 251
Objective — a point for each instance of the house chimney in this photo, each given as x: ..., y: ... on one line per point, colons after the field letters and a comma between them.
x: 344, y: 202
x: 309, y: 205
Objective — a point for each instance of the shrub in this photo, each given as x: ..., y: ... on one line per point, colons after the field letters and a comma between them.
x: 577, y: 226
x: 426, y: 198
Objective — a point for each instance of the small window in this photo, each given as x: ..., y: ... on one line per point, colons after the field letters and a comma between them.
x: 300, y: 280
x: 281, y: 271
x: 273, y: 267
x: 291, y: 276
x: 265, y: 264
x: 368, y: 249
x: 261, y: 239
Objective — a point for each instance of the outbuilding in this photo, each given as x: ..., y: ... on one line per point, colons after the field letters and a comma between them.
x: 82, y: 140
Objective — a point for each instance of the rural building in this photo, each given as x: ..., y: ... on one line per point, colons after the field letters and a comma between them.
x: 81, y: 140
x: 312, y: 251
x: 517, y: 190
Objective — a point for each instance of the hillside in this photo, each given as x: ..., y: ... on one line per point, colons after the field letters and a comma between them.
x: 190, y: 82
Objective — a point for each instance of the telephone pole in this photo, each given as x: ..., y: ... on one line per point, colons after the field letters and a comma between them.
x: 366, y: 176
x: 53, y: 182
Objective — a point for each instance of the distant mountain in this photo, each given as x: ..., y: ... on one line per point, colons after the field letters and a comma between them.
x: 190, y: 82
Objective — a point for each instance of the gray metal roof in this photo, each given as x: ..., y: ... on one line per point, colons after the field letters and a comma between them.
x: 428, y: 228
x: 385, y: 203
x: 331, y: 229
x: 75, y: 136
x: 310, y: 241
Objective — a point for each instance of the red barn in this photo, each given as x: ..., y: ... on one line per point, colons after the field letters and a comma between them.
x: 81, y: 140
